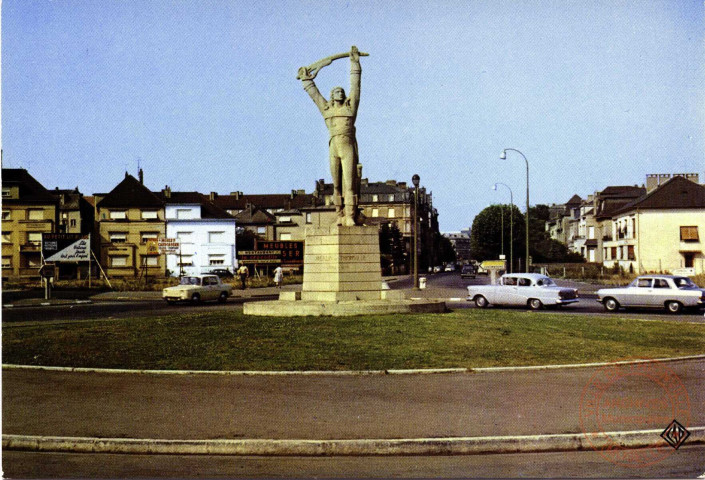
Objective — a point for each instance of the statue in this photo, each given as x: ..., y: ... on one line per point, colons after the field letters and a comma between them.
x: 340, y: 113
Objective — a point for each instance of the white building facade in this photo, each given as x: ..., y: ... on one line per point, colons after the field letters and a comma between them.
x: 206, y: 243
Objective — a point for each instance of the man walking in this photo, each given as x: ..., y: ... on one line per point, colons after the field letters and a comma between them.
x: 243, y: 272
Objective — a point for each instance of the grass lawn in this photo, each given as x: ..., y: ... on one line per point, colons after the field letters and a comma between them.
x: 229, y: 340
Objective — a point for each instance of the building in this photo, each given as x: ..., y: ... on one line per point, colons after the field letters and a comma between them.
x: 128, y: 218
x: 661, y: 231
x: 461, y: 245
x: 28, y: 211
x: 206, y: 233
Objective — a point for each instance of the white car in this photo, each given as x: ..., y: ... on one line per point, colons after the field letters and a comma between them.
x: 198, y: 288
x: 532, y: 290
x: 672, y: 292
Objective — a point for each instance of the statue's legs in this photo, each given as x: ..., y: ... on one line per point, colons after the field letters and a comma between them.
x: 344, y: 148
x: 337, y: 181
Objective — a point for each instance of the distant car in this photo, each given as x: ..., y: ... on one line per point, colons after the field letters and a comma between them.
x: 450, y: 268
x: 198, y: 288
x: 437, y: 269
x: 672, y: 292
x: 522, y: 289
x: 468, y: 271
x: 223, y: 273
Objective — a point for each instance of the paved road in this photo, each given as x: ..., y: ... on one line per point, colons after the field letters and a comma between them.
x: 447, y: 286
x: 687, y: 462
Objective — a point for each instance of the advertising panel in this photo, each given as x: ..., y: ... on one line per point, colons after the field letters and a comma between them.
x: 292, y: 252
x: 66, y: 247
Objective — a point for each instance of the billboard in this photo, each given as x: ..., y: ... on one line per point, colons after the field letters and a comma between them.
x: 66, y: 247
x: 292, y: 252
x: 168, y: 245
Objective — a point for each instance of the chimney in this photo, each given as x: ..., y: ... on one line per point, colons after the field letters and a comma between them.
x: 140, y: 174
x: 167, y: 191
x: 293, y: 194
x: 364, y: 182
x: 213, y: 196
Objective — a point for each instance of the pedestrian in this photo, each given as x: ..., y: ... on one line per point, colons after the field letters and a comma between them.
x: 278, y: 276
x: 243, y: 272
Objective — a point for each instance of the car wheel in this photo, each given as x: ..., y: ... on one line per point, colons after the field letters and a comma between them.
x: 195, y: 298
x: 481, y: 301
x: 674, y: 307
x: 535, y: 304
x: 223, y: 297
x: 611, y: 305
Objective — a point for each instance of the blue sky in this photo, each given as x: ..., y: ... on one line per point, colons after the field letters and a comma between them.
x: 203, y: 94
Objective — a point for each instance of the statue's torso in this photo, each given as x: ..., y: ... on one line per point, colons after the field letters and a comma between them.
x: 340, y: 119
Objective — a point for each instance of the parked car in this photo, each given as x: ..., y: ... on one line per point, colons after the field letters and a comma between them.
x: 450, y: 267
x: 437, y: 269
x: 468, y: 271
x: 198, y: 288
x: 223, y: 273
x: 523, y: 289
x: 672, y: 292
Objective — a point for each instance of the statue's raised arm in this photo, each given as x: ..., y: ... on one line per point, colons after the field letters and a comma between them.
x: 340, y: 113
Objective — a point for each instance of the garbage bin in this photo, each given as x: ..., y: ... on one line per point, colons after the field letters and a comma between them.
x: 422, y: 282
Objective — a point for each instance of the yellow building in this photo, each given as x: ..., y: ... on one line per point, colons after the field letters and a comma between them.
x: 128, y: 218
x: 28, y: 210
x: 661, y: 231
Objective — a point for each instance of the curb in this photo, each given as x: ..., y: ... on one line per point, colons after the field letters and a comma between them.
x: 416, y: 371
x: 361, y: 447
x: 48, y: 304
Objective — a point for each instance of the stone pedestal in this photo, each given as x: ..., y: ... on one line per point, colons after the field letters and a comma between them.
x: 342, y: 264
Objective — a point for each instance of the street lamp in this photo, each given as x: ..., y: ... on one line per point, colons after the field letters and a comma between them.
x: 503, y: 156
x: 415, y: 180
x: 511, y: 225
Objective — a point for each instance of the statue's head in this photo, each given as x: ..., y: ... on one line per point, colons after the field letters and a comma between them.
x: 337, y: 94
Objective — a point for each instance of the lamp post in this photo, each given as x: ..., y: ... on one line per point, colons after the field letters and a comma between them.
x: 503, y: 156
x: 511, y: 225
x: 415, y: 180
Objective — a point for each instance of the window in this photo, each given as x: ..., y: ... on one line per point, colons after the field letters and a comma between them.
x: 391, y: 213
x: 146, y: 236
x: 186, y: 261
x: 34, y: 262
x: 35, y: 238
x: 183, y: 213
x: 644, y: 283
x: 633, y: 227
x: 150, y: 260
x: 6, y: 193
x: 216, y: 237
x: 6, y: 262
x: 216, y: 259
x: 661, y: 283
x: 118, y: 261
x: 509, y: 281
x: 6, y: 215
x: 591, y: 232
x: 118, y: 237
x: 391, y: 197
x: 285, y: 236
x: 688, y: 259
x: 261, y: 230
x: 286, y: 219
x: 118, y: 215
x: 149, y: 215
x: 630, y: 252
x: 184, y: 237
x: 375, y: 212
x: 613, y: 253
x: 308, y: 217
x: 524, y: 282
x: 35, y: 214
x: 375, y: 198
x: 689, y: 234
x: 6, y: 237
x: 72, y: 222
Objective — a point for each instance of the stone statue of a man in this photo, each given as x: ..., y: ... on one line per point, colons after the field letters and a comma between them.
x: 339, y: 114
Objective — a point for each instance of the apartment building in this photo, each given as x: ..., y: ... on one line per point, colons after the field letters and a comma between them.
x: 128, y: 218
x: 661, y: 231
x: 28, y: 211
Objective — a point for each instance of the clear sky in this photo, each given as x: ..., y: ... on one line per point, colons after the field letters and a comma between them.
x: 203, y: 94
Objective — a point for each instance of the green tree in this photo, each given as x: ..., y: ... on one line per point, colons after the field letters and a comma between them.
x: 486, y: 233
x: 392, y: 249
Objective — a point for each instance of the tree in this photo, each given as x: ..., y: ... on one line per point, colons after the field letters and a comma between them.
x: 543, y: 248
x: 392, y: 249
x: 486, y: 233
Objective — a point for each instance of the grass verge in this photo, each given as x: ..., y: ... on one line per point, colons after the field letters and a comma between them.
x: 229, y: 340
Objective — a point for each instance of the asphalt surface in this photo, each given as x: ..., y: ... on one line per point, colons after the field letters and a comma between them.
x: 687, y: 462
x: 447, y: 286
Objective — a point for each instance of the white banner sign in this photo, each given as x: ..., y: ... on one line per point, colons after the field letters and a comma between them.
x: 169, y: 245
